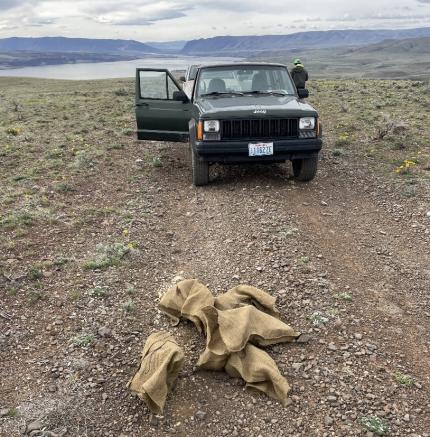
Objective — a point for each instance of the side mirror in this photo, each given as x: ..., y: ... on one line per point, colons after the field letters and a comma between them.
x: 182, y: 78
x: 303, y: 93
x: 180, y: 96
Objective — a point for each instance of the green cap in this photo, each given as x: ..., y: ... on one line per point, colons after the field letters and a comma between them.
x: 297, y: 61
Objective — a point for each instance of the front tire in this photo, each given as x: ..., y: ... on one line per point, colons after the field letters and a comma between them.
x: 200, y: 169
x: 305, y: 169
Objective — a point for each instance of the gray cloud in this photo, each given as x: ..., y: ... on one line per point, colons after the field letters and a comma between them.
x: 150, y: 20
x: 9, y: 4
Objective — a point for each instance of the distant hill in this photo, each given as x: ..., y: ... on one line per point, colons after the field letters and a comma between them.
x: 390, y: 59
x: 76, y: 45
x: 416, y: 46
x: 169, y: 46
x: 243, y: 45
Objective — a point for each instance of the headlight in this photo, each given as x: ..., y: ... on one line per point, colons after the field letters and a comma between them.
x: 211, y: 126
x: 307, y: 123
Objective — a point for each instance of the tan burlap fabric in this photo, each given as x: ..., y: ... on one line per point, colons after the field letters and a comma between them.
x: 234, y: 322
x: 242, y: 295
x: 259, y: 371
x: 162, y: 360
x: 185, y: 299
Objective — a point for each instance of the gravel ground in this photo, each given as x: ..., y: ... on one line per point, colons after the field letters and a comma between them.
x: 346, y: 257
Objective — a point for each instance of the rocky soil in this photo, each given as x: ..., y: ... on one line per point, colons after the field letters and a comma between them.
x: 347, y: 257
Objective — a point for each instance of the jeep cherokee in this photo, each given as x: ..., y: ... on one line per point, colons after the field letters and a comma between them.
x: 234, y: 113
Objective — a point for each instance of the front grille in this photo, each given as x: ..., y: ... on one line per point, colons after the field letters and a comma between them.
x: 254, y: 128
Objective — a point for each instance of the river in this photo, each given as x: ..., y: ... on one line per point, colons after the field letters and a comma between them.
x: 109, y: 70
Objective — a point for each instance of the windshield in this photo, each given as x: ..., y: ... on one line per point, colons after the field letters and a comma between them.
x: 240, y: 80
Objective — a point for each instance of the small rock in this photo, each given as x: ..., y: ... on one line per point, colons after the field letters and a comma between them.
x: 104, y: 331
x: 324, y: 203
x: 303, y: 338
x: 358, y: 336
x: 328, y: 421
x: 296, y: 366
x: 332, y: 399
x: 34, y: 426
x: 332, y: 346
x: 4, y: 412
x: 153, y: 420
x: 200, y: 415
x: 406, y: 418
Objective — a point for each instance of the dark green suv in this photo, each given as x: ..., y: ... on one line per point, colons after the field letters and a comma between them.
x: 235, y: 113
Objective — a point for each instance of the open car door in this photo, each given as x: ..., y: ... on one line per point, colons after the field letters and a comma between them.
x: 162, y: 108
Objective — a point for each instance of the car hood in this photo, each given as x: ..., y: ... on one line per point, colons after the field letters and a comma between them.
x: 253, y: 106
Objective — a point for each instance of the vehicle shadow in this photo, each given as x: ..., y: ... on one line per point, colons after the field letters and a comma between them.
x: 250, y: 174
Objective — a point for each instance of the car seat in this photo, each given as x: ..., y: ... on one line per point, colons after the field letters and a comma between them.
x: 216, y: 86
x: 259, y: 82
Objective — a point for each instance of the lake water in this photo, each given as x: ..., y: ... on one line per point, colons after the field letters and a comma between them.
x: 109, y: 70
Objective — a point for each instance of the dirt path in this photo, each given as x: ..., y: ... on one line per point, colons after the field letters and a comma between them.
x: 254, y: 225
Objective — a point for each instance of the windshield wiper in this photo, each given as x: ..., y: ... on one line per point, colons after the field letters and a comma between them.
x: 269, y: 93
x: 227, y: 93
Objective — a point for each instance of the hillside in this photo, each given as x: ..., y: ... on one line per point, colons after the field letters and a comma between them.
x: 63, y: 45
x: 390, y: 59
x: 409, y: 46
x: 242, y: 45
x: 168, y: 46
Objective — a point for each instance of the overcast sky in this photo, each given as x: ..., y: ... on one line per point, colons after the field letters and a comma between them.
x: 164, y: 20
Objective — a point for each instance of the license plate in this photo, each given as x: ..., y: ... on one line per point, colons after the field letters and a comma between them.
x: 260, y: 149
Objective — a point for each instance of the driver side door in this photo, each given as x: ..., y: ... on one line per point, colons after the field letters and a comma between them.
x: 158, y: 115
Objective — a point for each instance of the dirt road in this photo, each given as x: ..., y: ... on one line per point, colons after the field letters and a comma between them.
x: 345, y: 255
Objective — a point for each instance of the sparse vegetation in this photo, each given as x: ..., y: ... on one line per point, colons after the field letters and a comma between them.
x: 98, y: 291
x: 35, y: 272
x: 83, y: 339
x: 304, y: 259
x: 318, y: 319
x: 36, y: 296
x: 403, y: 379
x: 129, y: 306
x: 374, y: 424
x: 107, y: 255
x: 12, y: 412
x: 344, y: 296
x: 15, y: 131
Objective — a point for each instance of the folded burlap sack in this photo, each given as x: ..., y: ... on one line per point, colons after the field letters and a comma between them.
x: 259, y: 372
x: 231, y: 330
x: 162, y: 360
x: 186, y: 299
x: 242, y: 295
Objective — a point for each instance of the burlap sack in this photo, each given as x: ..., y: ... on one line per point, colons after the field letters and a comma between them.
x: 242, y: 295
x: 162, y: 360
x: 231, y: 330
x: 186, y: 299
x: 259, y: 371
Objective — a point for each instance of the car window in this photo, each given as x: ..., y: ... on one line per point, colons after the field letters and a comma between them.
x: 192, y: 72
x: 251, y: 79
x: 156, y: 85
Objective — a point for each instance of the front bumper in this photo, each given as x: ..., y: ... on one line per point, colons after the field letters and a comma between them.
x: 237, y: 151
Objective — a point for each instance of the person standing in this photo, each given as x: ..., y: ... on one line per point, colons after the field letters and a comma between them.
x: 299, y: 74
